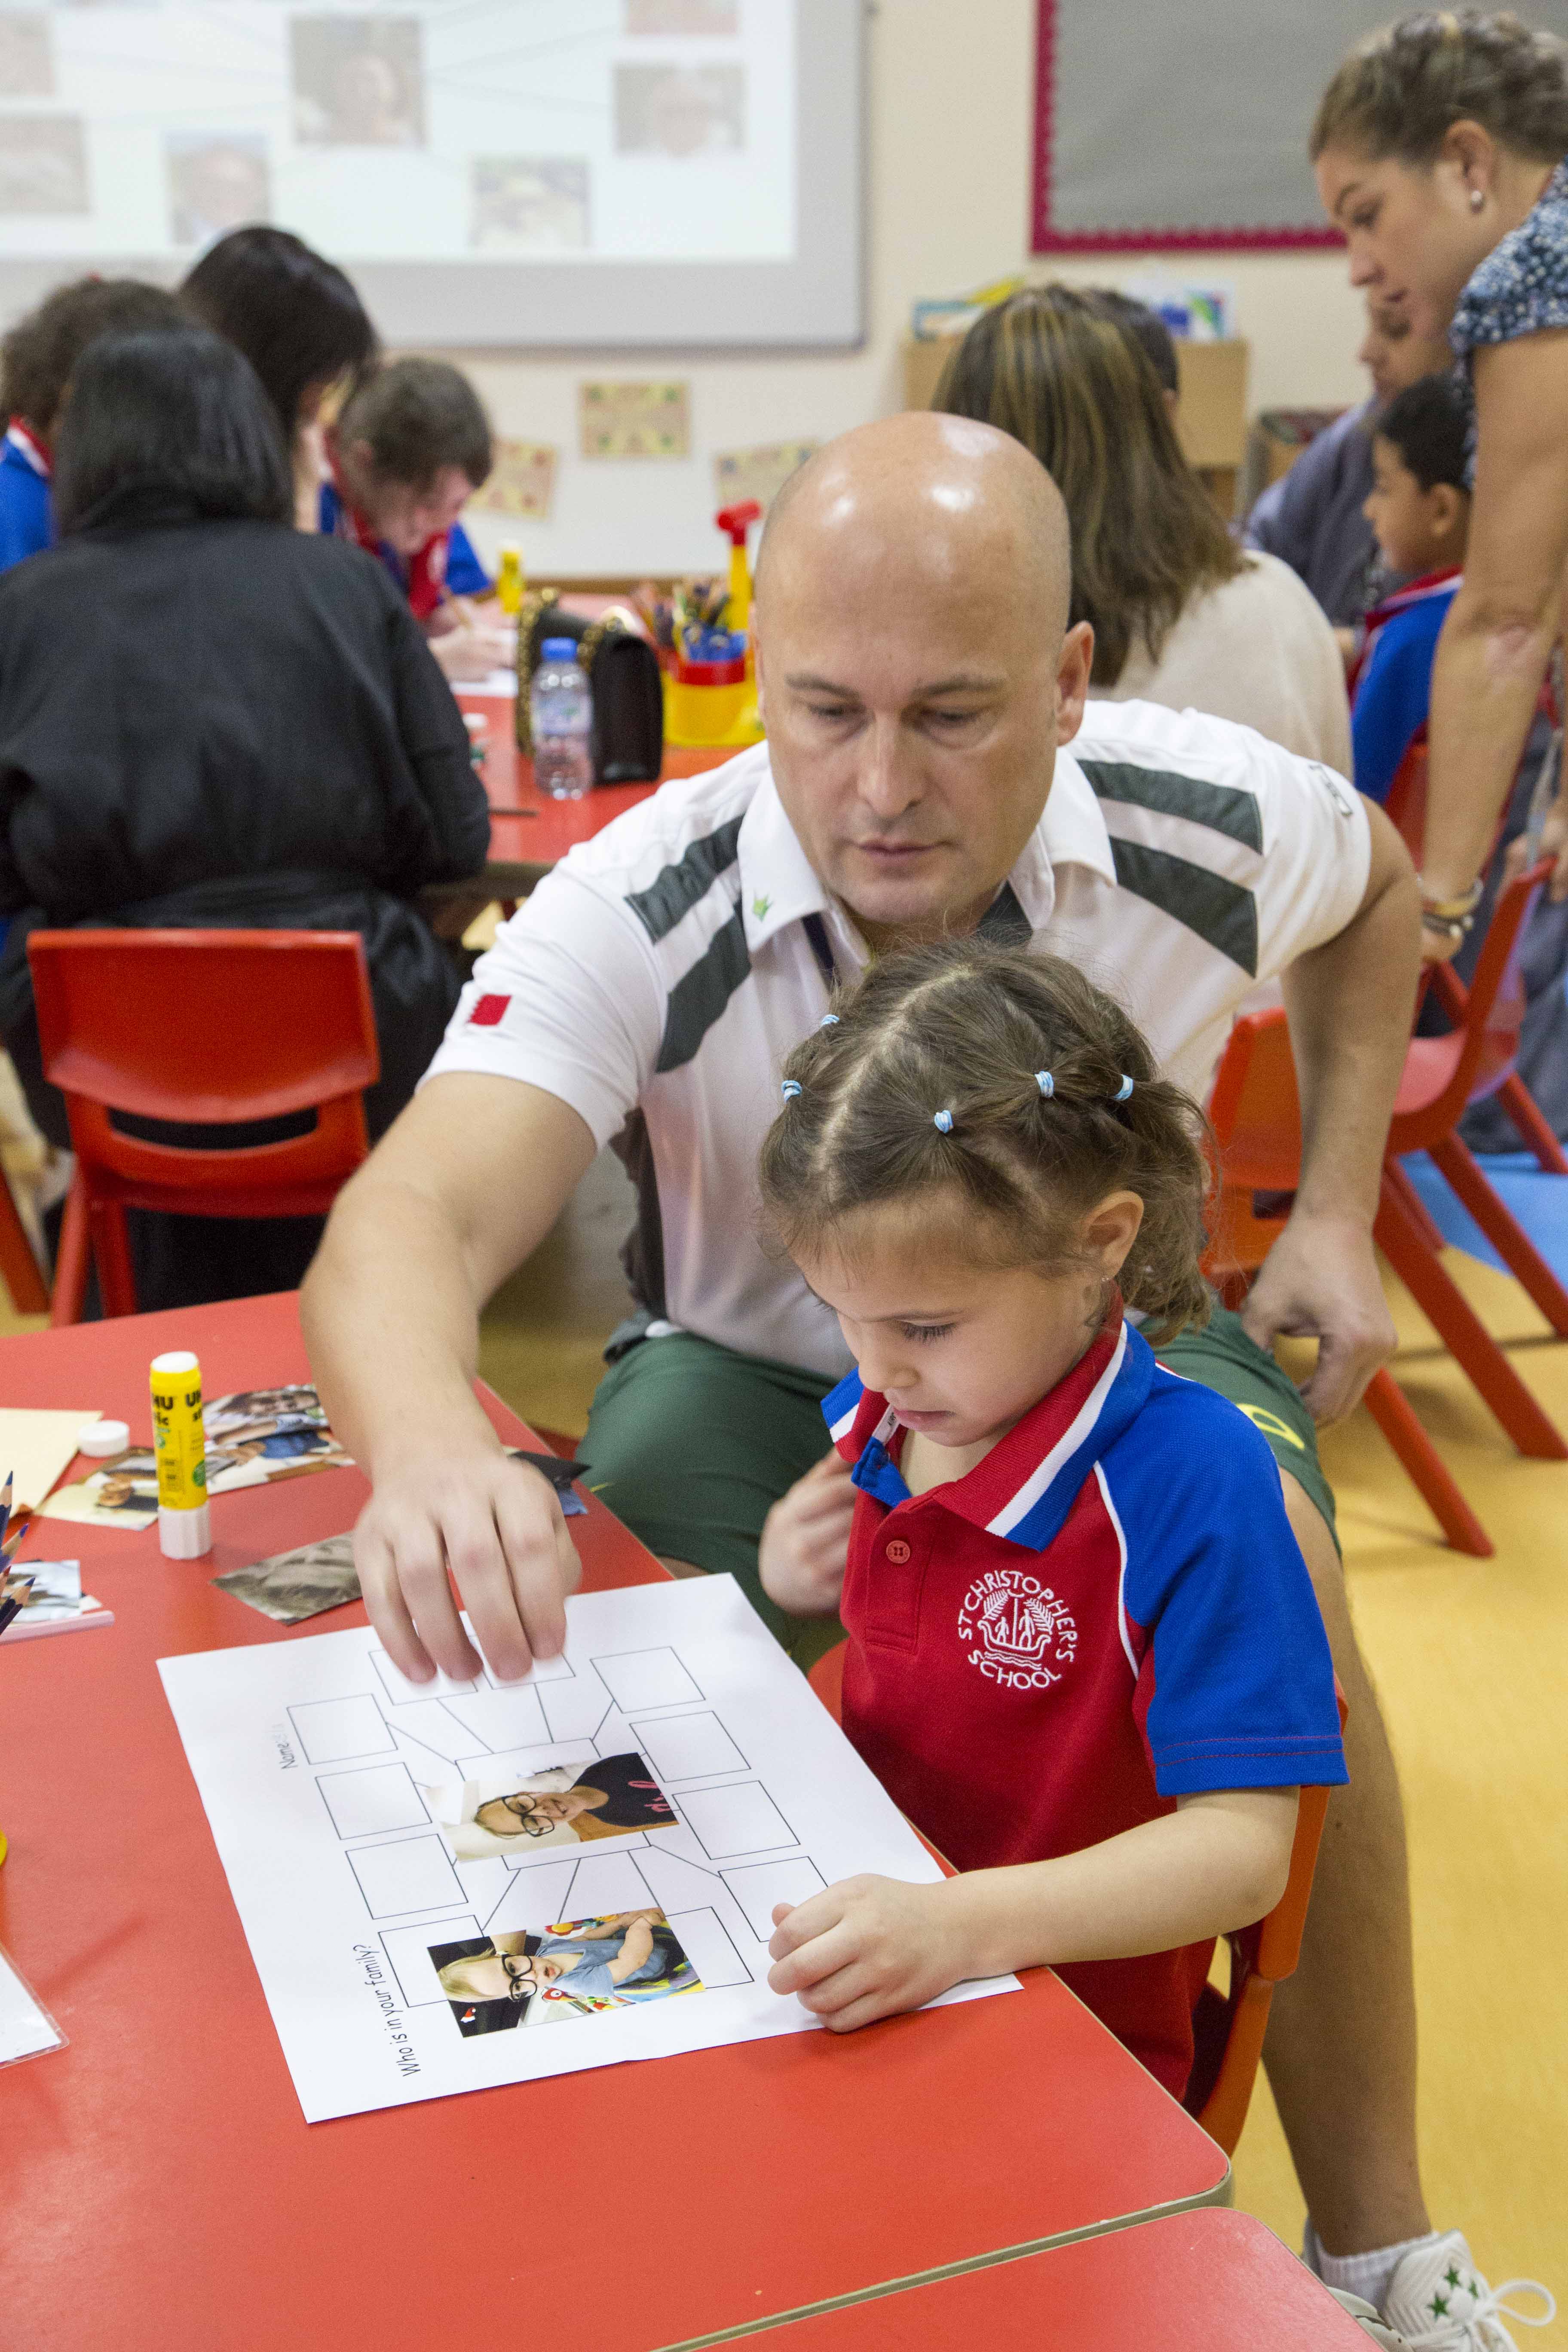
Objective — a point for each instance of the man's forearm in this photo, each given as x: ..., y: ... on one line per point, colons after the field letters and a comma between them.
x: 391, y: 1323
x: 1350, y: 1004
x: 1485, y: 681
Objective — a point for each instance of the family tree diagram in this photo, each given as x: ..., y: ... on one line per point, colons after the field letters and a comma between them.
x: 418, y: 1865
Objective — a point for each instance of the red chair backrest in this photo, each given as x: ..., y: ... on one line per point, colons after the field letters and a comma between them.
x: 1490, y: 1015
x: 209, y: 1027
x: 1405, y: 807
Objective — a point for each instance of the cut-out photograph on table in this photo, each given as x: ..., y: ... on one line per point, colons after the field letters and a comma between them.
x: 579, y: 1968
x: 299, y: 1583
x: 497, y: 1812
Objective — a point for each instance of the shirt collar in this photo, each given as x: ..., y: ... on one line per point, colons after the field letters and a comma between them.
x: 780, y: 886
x: 1025, y: 1486
x: 20, y: 437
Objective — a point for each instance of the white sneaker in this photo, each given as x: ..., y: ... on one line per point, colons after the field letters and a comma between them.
x: 1370, y: 2318
x: 1439, y: 2302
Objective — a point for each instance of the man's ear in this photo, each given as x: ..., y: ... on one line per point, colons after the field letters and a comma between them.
x: 1076, y: 661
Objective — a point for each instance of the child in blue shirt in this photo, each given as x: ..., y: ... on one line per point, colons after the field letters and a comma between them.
x: 1419, y: 511
x: 409, y: 450
x: 35, y: 364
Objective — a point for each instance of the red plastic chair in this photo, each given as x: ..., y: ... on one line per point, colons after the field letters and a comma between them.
x: 1228, y: 2027
x: 1406, y: 807
x: 200, y: 1027
x: 28, y: 1291
x: 1256, y: 1116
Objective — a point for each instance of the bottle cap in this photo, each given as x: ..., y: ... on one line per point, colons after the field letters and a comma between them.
x: 102, y: 1438
x: 184, y: 1534
x: 559, y: 649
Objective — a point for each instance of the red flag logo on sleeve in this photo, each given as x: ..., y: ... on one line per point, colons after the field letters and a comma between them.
x: 488, y: 1011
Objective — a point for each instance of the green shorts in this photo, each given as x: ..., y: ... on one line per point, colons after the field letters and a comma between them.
x: 1221, y: 1356
x: 692, y: 1444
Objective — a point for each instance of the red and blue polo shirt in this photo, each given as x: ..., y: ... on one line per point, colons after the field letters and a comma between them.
x: 1107, y: 1612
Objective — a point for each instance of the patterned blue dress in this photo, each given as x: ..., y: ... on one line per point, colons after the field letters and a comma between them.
x: 1521, y: 288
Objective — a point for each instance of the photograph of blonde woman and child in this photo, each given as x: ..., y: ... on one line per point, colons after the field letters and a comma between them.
x: 580, y: 1966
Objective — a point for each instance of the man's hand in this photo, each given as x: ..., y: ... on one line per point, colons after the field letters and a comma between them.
x: 1320, y: 1280
x: 498, y: 1526
x: 805, y: 1540
x: 867, y: 1948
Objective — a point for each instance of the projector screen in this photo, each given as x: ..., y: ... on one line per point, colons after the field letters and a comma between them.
x: 489, y: 172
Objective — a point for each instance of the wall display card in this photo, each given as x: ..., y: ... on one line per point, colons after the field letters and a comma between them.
x: 428, y: 1874
x: 635, y: 420
x: 760, y: 473
x: 522, y: 481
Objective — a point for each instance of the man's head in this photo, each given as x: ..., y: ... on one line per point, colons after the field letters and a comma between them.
x: 1394, y: 356
x: 413, y: 445
x: 915, y: 665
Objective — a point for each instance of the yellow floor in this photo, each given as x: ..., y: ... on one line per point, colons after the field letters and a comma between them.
x: 1471, y: 1658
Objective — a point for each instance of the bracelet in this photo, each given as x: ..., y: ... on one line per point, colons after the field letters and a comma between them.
x: 1459, y: 909
x: 1452, y: 928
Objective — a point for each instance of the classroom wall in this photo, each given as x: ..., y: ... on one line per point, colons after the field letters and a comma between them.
x: 951, y: 101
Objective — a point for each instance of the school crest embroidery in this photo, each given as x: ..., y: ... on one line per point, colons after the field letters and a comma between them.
x: 1023, y: 1637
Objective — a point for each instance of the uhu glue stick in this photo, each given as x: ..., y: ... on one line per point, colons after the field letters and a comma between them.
x: 184, y: 1529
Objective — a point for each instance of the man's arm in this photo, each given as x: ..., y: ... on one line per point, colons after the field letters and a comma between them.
x: 1350, y: 1003
x: 1502, y: 626
x: 463, y: 1187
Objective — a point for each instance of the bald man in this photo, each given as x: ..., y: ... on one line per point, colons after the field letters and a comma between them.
x: 920, y: 686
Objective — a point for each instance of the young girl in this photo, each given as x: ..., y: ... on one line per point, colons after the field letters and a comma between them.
x: 1084, y: 1655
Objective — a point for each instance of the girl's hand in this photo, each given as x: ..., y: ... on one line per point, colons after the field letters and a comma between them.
x: 805, y: 1540
x: 868, y: 1948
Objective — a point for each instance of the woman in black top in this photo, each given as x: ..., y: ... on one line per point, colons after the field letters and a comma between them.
x: 207, y: 718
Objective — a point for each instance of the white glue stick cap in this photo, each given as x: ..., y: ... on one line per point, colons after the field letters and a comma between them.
x: 102, y: 1438
x: 184, y: 1534
x: 178, y: 1360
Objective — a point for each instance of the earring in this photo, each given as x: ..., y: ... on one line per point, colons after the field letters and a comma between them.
x: 1477, y: 200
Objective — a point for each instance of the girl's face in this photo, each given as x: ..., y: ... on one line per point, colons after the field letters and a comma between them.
x: 1412, y: 234
x: 961, y: 1351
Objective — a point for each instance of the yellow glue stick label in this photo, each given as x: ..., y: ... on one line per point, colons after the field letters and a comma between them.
x: 178, y: 1437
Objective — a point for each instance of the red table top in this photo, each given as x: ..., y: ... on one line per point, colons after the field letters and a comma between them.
x: 552, y: 827
x: 162, y: 2190
x: 1204, y: 2278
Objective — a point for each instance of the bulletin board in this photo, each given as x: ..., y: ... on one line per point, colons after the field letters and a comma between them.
x: 1183, y: 126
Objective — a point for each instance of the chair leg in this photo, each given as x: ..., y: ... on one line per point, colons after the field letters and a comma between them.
x: 112, y: 1255
x: 1531, y: 1122
x: 1507, y: 1236
x: 29, y: 1293
x: 1395, y: 1173
x: 1425, y: 1468
x: 1463, y: 1333
x: 71, y: 1265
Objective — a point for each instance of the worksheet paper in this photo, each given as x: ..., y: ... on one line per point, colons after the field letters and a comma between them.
x: 363, y: 1823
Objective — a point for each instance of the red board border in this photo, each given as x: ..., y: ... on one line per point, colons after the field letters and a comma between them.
x: 1045, y: 238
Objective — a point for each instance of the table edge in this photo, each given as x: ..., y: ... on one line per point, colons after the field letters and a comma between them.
x: 1223, y: 2193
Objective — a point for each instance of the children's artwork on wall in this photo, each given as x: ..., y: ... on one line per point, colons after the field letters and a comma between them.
x: 635, y: 420
x: 760, y: 473
x: 521, y: 482
x: 425, y: 1871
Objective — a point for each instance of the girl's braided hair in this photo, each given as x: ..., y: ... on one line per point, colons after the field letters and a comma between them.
x: 999, y: 1076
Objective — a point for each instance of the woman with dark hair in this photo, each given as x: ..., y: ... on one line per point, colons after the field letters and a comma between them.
x: 1441, y: 151
x: 210, y: 717
x: 299, y: 321
x: 1182, y: 616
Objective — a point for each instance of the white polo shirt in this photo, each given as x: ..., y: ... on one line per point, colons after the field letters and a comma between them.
x: 657, y: 978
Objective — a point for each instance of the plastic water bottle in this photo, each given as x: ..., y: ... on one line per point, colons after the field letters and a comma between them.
x: 561, y: 716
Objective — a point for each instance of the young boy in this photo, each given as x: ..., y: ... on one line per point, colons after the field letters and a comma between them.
x: 409, y: 450
x: 35, y: 364
x: 1419, y: 511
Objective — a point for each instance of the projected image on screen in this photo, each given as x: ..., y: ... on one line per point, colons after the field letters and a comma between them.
x: 425, y: 131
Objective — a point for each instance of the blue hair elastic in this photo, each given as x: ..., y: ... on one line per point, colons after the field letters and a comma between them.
x: 790, y: 1089
x: 1046, y: 1082
x: 828, y: 1020
x: 1124, y: 1090
x: 943, y: 1120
